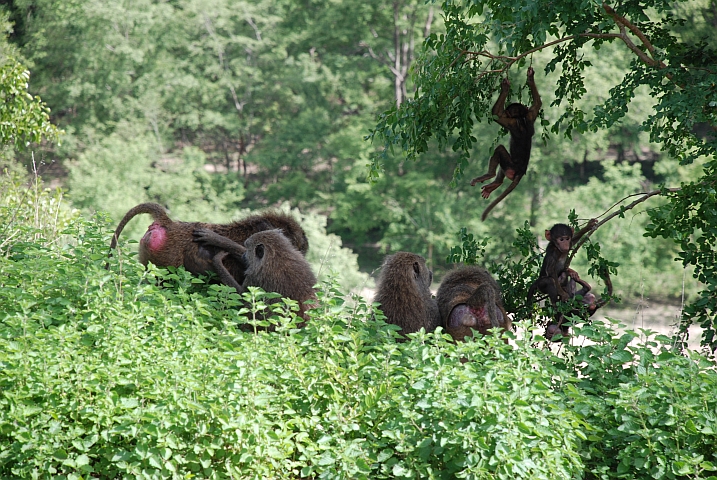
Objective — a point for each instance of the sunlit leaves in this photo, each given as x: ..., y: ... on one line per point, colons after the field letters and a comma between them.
x: 23, y: 117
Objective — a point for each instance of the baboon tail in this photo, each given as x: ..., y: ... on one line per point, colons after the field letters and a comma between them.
x: 156, y: 210
x: 505, y: 193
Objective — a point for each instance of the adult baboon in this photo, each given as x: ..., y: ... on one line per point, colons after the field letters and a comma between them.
x: 469, y: 298
x: 404, y: 292
x: 272, y: 263
x: 171, y: 244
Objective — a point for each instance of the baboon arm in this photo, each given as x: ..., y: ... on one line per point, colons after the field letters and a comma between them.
x: 212, y: 238
x: 499, y: 109
x: 534, y: 109
x: 223, y: 273
x: 579, y: 234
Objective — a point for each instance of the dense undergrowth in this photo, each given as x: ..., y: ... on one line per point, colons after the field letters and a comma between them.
x: 134, y: 373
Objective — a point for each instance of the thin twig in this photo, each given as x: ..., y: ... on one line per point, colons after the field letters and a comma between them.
x: 644, y: 197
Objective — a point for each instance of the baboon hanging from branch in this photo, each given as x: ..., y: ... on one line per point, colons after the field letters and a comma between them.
x: 518, y: 120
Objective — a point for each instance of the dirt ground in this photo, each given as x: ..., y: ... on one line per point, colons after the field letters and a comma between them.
x: 659, y: 317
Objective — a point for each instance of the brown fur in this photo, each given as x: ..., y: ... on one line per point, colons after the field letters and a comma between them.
x: 404, y: 293
x: 273, y: 264
x: 179, y: 247
x: 518, y: 120
x: 468, y: 298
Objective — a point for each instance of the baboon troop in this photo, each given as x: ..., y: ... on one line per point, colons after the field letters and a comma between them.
x: 268, y: 250
x: 272, y: 263
x: 404, y: 292
x: 171, y: 244
x: 265, y: 250
x: 468, y: 298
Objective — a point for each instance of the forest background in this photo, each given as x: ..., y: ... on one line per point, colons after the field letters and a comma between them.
x: 214, y: 108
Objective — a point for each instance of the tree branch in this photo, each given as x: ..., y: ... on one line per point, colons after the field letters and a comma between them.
x: 508, y: 61
x: 620, y: 20
x: 623, y: 25
x: 645, y: 196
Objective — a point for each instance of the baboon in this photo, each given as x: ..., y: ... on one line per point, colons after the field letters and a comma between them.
x: 170, y: 244
x: 518, y: 120
x: 272, y: 263
x: 561, y: 238
x: 469, y: 298
x: 404, y: 292
x: 589, y: 300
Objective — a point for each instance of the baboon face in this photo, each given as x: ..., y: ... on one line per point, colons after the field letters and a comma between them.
x: 561, y: 236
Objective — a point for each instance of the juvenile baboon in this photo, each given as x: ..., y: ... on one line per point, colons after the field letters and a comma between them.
x: 469, y: 298
x: 561, y: 238
x: 171, y: 244
x: 272, y: 263
x: 404, y: 292
x: 518, y: 120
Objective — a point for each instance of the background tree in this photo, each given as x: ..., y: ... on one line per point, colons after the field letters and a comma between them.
x: 212, y: 108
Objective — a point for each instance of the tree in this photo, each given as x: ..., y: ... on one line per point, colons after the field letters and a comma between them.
x: 23, y: 118
x: 459, y: 72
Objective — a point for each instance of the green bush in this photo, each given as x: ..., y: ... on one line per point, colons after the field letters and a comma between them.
x: 29, y: 212
x: 144, y: 373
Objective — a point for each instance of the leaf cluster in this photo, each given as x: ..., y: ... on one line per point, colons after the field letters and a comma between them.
x: 24, y: 118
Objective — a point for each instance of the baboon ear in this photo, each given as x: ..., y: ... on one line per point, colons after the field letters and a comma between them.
x: 259, y: 251
x: 547, y: 235
x: 417, y: 269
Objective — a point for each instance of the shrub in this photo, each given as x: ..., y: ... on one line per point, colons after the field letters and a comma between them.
x: 145, y: 373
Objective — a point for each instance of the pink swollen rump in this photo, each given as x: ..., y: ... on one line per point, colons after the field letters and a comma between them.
x: 155, y: 238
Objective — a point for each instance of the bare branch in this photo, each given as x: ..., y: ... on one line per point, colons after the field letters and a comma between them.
x: 429, y: 22
x: 620, y: 20
x: 632, y: 205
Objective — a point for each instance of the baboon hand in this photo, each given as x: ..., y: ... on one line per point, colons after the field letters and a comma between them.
x: 505, y: 84
x: 531, y: 73
x: 208, y: 237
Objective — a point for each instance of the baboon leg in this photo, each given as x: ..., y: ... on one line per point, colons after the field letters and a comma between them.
x: 499, y: 154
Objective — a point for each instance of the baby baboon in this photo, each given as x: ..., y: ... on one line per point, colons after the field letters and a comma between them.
x: 561, y: 239
x: 272, y: 263
x: 469, y: 298
x: 404, y: 292
x: 171, y: 244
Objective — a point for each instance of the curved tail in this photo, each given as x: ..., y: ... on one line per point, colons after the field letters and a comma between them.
x: 608, y: 283
x: 156, y: 210
x: 516, y: 181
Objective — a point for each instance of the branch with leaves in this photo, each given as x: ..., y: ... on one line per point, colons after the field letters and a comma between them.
x: 623, y: 25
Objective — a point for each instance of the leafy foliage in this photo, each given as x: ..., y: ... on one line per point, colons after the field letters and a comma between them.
x: 134, y: 373
x: 30, y: 213
x: 23, y: 118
